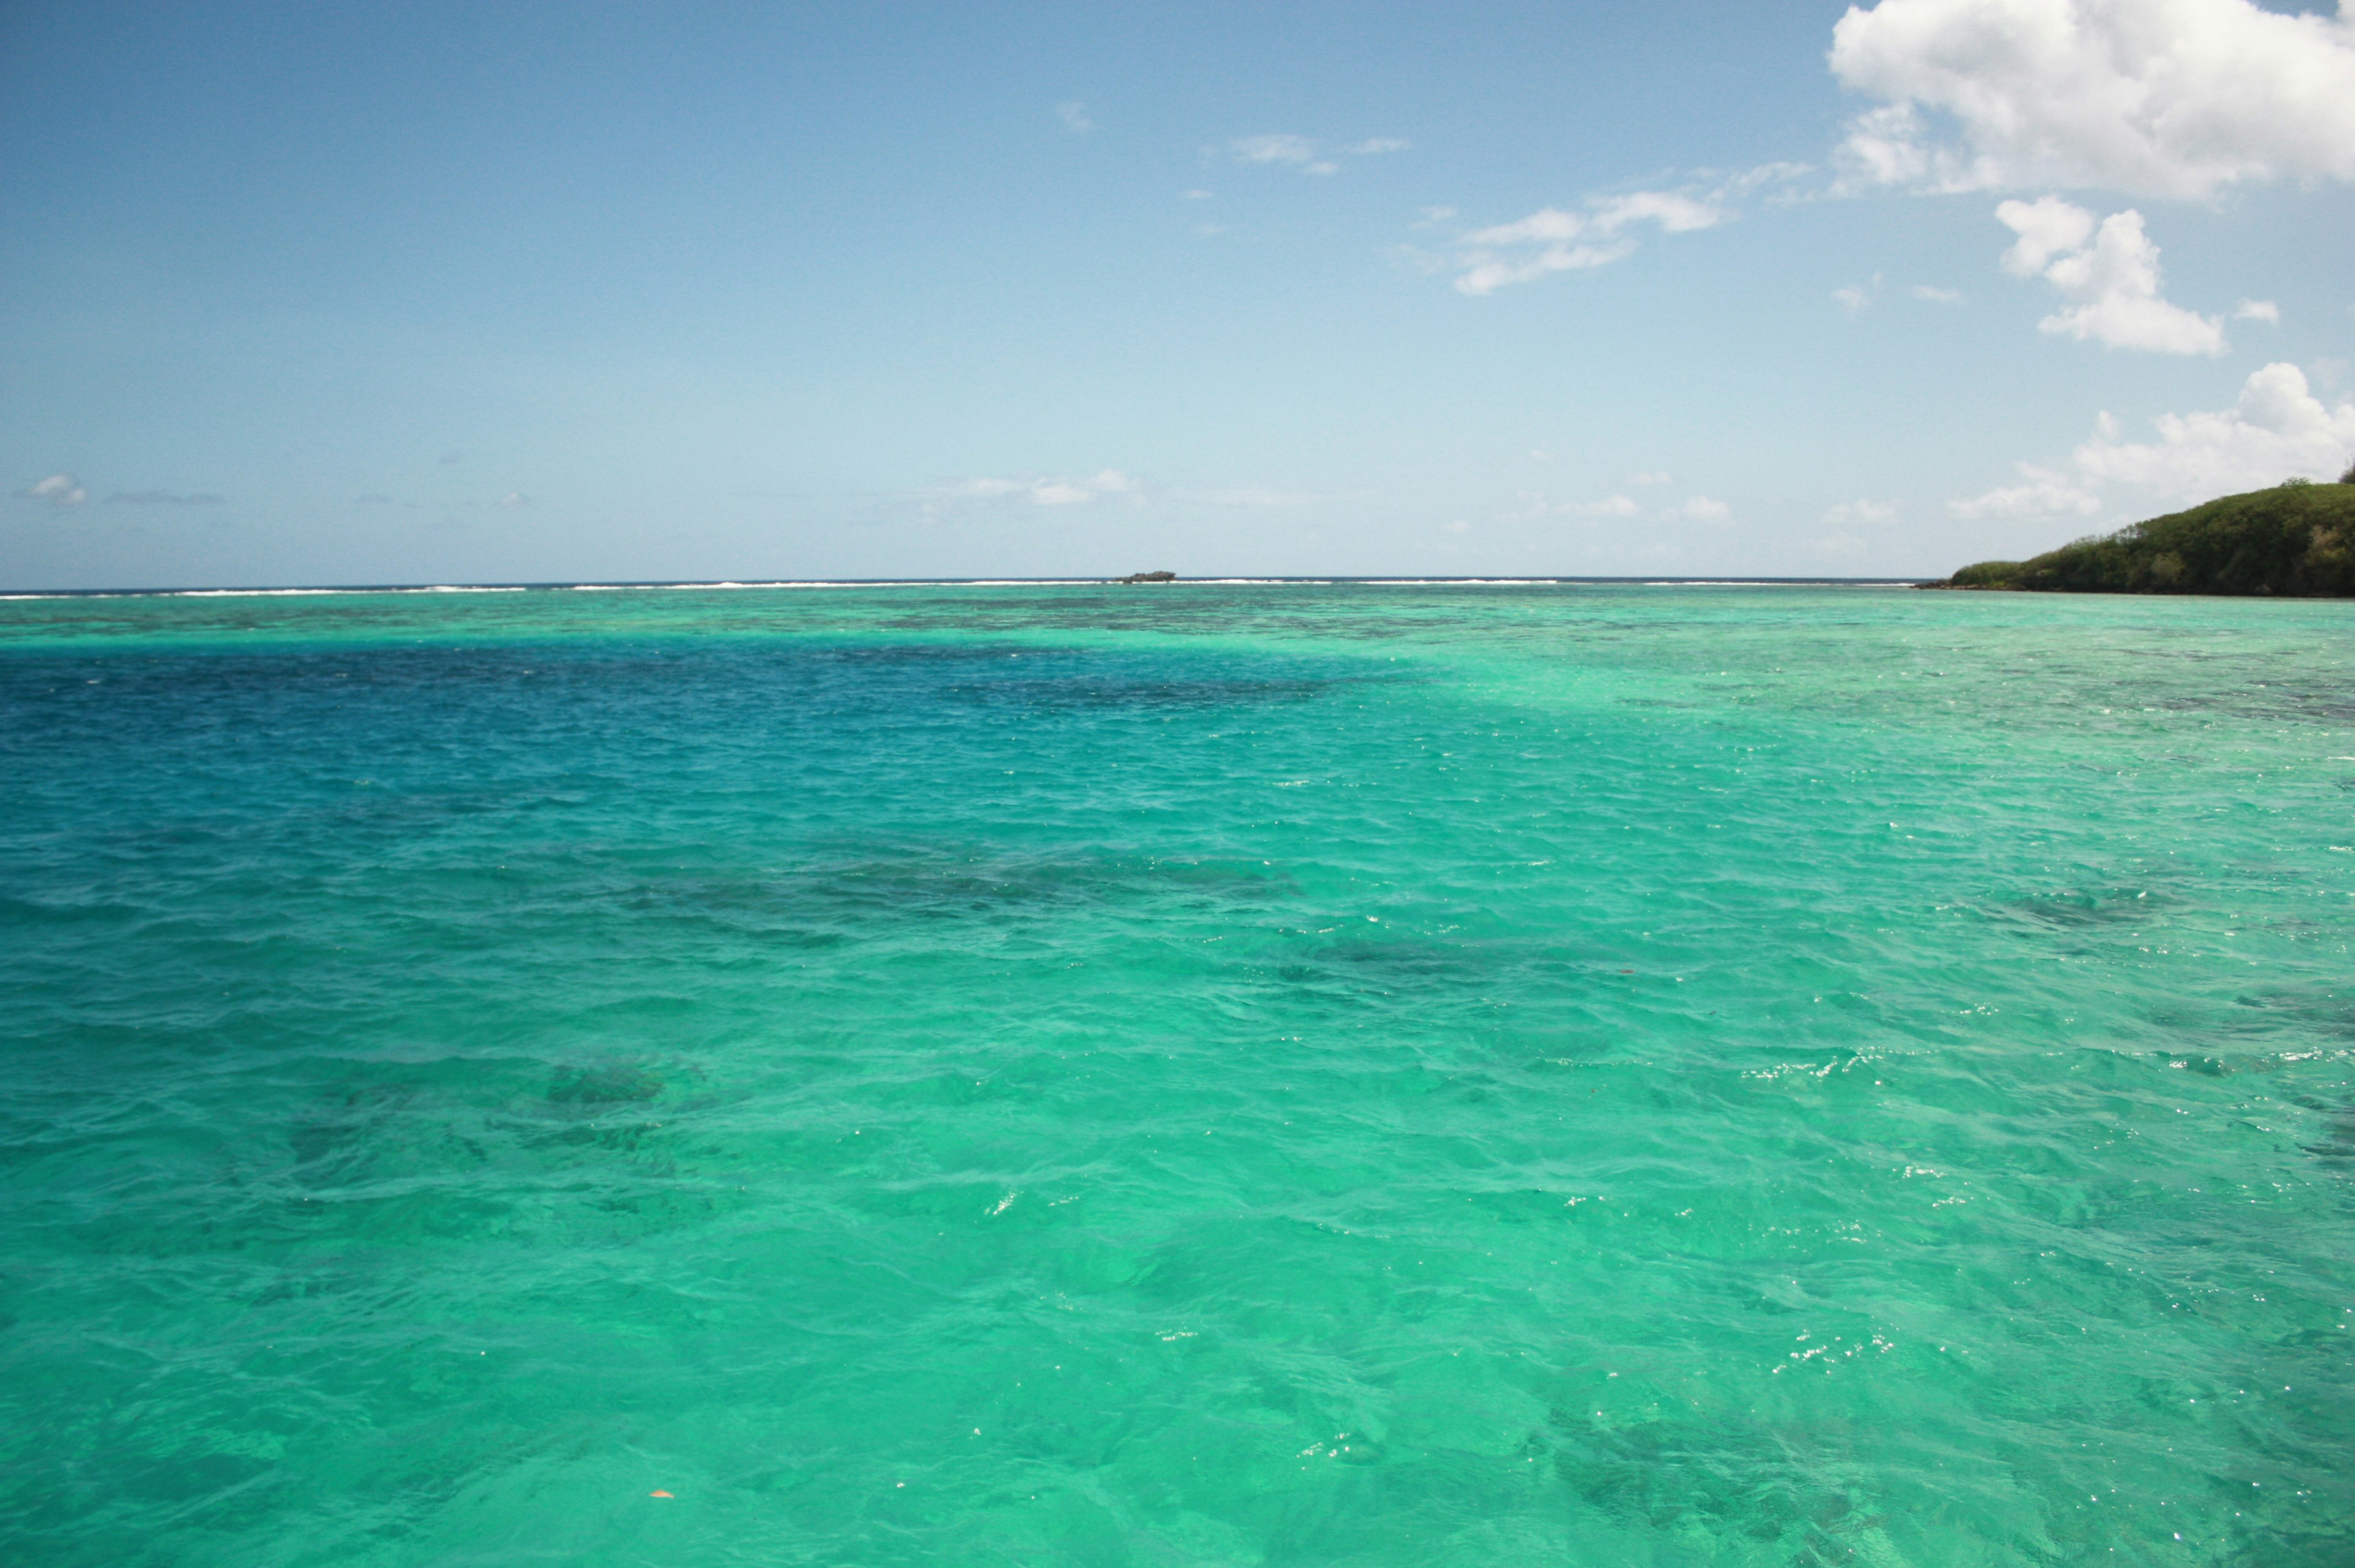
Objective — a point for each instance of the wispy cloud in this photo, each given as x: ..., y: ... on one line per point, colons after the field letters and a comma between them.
x: 165, y: 499
x: 1307, y: 154
x: 1932, y: 294
x: 1049, y: 491
x: 514, y: 500
x: 1850, y: 513
x: 2041, y: 493
x: 57, y: 490
x: 1600, y: 231
x: 1075, y: 116
x: 2258, y: 310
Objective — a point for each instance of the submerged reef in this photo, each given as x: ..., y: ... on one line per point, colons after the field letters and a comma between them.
x: 2296, y: 540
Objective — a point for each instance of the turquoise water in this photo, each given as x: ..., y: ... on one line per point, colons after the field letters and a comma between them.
x: 1252, y: 1074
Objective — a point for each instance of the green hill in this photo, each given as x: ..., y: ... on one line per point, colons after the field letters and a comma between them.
x: 2294, y: 540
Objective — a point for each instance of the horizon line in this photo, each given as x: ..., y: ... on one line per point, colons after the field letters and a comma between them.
x: 731, y: 584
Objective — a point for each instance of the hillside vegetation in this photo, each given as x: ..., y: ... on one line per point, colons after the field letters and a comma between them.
x: 2294, y: 540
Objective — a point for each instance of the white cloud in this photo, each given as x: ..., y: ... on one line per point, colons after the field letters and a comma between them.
x: 1048, y: 492
x: 1075, y: 116
x: 514, y: 500
x: 1936, y: 295
x: 1658, y: 476
x: 1562, y: 239
x: 1848, y: 514
x: 1701, y: 509
x: 2047, y: 227
x: 57, y: 490
x: 163, y: 498
x: 1555, y: 241
x: 2258, y: 310
x: 1306, y: 155
x: 1434, y: 214
x: 2163, y: 96
x: 1609, y: 506
x: 2279, y: 429
x: 2045, y: 495
x: 1852, y: 298
x: 2112, y: 271
x: 1272, y: 150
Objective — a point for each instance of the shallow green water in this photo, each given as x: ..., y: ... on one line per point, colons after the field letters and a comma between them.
x: 1308, y: 1075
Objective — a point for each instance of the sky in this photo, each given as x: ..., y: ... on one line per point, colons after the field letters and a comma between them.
x: 440, y: 292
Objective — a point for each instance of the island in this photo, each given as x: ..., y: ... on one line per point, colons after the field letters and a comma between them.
x: 1148, y: 577
x: 2296, y: 540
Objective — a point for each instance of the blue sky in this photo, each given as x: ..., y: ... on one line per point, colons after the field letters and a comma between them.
x: 442, y: 293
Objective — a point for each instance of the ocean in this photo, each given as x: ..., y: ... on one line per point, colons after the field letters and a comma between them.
x: 1254, y: 1073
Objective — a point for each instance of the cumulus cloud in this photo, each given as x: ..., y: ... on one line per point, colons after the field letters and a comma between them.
x: 165, y: 499
x: 2258, y: 310
x: 2276, y: 430
x: 1048, y: 492
x: 1609, y: 506
x: 57, y: 490
x: 2112, y: 273
x: 1565, y: 240
x: 1848, y: 514
x: 2176, y: 98
x: 1701, y: 509
x: 2044, y: 493
x: 1075, y: 116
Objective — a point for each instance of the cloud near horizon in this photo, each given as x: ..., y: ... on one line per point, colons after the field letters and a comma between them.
x: 2277, y: 430
x: 57, y: 490
x: 2169, y: 98
x: 1047, y: 492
